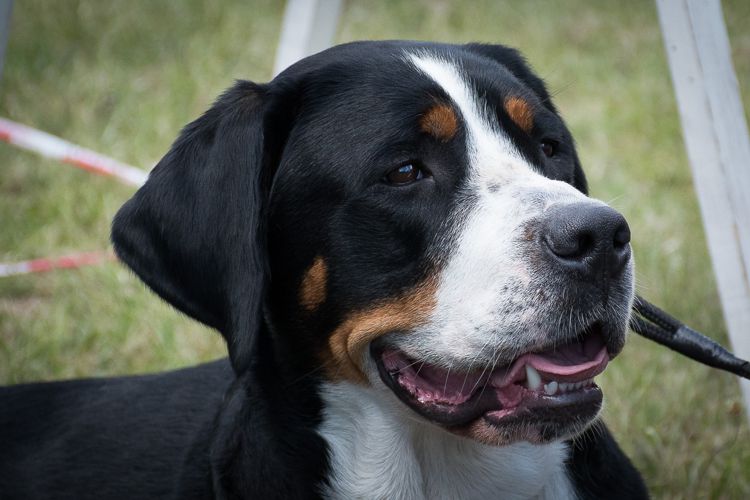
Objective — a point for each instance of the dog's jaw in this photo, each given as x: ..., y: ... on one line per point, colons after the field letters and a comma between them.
x: 539, y: 398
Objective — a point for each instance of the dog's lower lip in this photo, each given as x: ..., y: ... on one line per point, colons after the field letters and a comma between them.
x: 564, y: 386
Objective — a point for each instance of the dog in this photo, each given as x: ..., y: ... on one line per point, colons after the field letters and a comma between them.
x: 394, y: 239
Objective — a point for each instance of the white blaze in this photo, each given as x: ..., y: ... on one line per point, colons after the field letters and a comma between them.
x: 489, y: 272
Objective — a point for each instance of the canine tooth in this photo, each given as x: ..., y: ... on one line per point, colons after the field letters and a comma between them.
x: 533, y: 379
x: 551, y: 388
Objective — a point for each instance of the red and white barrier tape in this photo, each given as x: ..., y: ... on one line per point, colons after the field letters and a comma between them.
x: 49, y: 264
x: 58, y: 149
x: 53, y: 147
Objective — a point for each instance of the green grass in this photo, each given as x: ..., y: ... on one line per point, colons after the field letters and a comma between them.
x: 123, y: 77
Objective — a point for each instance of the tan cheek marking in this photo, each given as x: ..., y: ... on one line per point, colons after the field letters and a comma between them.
x: 440, y: 122
x: 480, y: 430
x: 312, y: 293
x: 349, y: 340
x: 520, y: 112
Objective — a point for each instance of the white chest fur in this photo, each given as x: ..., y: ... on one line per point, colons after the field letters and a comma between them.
x: 379, y: 450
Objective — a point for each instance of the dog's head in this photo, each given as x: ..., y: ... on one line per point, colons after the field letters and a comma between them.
x: 406, y: 216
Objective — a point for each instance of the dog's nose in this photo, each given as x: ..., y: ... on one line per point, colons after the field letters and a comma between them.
x: 589, y: 239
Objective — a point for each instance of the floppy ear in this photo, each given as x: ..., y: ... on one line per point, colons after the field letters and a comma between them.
x: 517, y: 65
x: 195, y: 231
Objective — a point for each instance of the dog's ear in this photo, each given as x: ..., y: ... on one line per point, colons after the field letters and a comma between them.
x: 195, y: 231
x: 517, y: 65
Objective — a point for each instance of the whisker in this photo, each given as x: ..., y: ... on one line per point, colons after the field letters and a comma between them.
x: 616, y: 198
x: 447, y: 375
x: 409, y: 366
x: 305, y: 375
x: 420, y: 368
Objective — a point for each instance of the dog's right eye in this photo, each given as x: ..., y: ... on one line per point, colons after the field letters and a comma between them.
x: 405, y: 174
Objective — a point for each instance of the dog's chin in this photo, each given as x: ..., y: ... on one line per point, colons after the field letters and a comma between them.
x: 540, y: 397
x: 534, y: 427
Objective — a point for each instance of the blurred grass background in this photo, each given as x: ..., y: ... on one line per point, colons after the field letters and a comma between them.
x: 123, y: 77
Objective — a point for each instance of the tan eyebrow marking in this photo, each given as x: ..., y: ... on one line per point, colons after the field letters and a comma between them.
x: 520, y: 112
x: 313, y: 291
x: 440, y: 121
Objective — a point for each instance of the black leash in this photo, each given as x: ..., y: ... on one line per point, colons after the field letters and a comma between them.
x: 655, y: 324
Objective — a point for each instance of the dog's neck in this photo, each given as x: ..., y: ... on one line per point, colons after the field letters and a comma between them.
x: 379, y: 450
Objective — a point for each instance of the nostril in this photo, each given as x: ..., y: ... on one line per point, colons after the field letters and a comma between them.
x: 622, y: 236
x: 586, y: 242
x: 570, y: 244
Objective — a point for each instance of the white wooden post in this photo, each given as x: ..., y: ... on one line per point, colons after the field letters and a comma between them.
x: 309, y: 26
x: 718, y: 147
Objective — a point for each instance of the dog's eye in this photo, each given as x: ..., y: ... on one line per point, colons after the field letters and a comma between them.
x: 405, y: 174
x: 549, y: 148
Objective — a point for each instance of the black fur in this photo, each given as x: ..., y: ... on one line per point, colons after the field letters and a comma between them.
x: 129, y: 437
x: 600, y: 469
x: 250, y: 193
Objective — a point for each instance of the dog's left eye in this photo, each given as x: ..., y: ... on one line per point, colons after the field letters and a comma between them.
x: 549, y: 147
x: 405, y: 174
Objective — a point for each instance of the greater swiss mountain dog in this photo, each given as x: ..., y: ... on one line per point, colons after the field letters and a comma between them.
x: 395, y: 240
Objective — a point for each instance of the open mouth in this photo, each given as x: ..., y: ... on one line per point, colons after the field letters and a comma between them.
x: 548, y: 387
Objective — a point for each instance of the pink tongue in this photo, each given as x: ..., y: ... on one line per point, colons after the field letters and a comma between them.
x: 568, y: 363
x: 569, y: 359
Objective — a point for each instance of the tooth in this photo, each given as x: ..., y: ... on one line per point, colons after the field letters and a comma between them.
x: 551, y: 388
x: 533, y: 379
